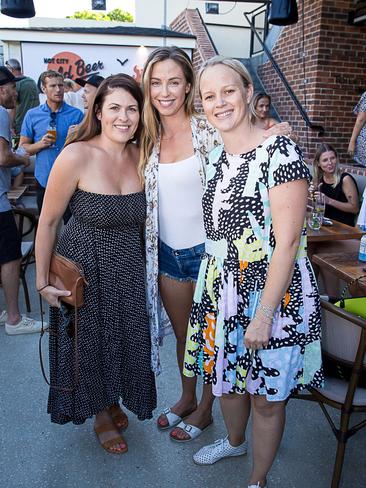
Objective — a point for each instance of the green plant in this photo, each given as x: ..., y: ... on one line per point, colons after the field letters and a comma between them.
x: 116, y: 15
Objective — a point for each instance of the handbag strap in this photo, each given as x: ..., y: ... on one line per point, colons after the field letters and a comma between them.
x: 346, y: 288
x: 76, y: 353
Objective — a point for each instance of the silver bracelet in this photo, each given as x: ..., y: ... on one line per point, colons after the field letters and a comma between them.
x: 267, y: 311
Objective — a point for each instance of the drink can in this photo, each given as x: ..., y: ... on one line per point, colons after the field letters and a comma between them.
x: 362, y: 253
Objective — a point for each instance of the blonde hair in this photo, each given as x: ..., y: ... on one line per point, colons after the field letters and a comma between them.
x: 318, y: 172
x: 91, y: 126
x: 150, y: 116
x: 254, y: 102
x: 234, y: 64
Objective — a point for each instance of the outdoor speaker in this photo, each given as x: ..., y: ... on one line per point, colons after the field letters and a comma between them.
x: 18, y: 8
x: 283, y: 12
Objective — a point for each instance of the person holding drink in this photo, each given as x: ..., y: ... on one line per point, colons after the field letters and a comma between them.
x: 45, y: 128
x: 338, y: 190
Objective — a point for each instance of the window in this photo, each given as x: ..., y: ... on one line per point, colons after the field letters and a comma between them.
x: 99, y: 4
x: 212, y: 8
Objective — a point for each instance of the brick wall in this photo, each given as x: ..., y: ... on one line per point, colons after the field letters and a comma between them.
x: 335, y: 57
x: 190, y: 22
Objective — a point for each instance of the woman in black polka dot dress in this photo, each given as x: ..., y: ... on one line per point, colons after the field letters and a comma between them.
x: 254, y: 331
x: 97, y: 172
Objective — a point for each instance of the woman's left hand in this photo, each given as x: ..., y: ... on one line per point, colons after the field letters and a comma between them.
x: 281, y: 129
x: 257, y: 334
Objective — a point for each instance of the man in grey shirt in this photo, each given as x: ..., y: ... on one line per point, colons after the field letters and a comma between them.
x: 28, y: 96
x: 10, y: 241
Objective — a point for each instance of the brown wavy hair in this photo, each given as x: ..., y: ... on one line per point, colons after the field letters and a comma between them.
x: 150, y: 116
x: 91, y: 125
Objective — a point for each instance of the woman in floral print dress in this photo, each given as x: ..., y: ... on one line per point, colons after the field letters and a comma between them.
x: 357, y: 143
x: 254, y: 329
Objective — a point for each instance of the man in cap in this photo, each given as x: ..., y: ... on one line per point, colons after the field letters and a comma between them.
x: 10, y: 241
x: 90, y: 86
x: 28, y: 96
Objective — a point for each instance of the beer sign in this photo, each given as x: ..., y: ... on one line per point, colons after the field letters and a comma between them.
x: 72, y: 66
x: 82, y: 60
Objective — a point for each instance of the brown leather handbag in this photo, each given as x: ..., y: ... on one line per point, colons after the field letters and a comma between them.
x: 66, y: 274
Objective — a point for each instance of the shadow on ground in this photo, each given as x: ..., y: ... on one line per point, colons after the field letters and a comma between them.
x: 37, y: 454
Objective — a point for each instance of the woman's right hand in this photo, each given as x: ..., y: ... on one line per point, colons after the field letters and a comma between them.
x: 52, y: 295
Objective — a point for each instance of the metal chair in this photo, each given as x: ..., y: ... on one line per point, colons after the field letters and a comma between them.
x: 27, y: 226
x: 344, y: 341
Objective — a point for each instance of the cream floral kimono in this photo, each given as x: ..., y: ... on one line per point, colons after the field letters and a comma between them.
x: 204, y: 138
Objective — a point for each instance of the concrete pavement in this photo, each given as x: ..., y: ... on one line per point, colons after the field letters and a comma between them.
x: 37, y: 454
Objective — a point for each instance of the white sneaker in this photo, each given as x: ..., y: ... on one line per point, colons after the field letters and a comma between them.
x: 25, y: 326
x: 220, y: 449
x: 256, y: 486
x: 3, y: 317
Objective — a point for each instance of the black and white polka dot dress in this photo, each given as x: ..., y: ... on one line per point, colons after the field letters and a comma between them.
x: 104, y: 236
x: 239, y: 244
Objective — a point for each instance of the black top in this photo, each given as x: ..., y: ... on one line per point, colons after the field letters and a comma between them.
x: 338, y: 194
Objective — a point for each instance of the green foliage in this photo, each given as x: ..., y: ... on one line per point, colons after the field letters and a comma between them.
x: 116, y: 15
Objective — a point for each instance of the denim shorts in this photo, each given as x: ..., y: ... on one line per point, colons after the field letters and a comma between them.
x: 180, y: 264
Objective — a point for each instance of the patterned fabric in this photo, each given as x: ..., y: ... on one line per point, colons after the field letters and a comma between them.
x: 104, y: 236
x: 240, y: 242
x: 204, y: 138
x: 360, y: 151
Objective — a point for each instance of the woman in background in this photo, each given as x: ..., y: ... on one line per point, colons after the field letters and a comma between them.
x: 260, y: 106
x: 340, y: 189
x: 357, y: 143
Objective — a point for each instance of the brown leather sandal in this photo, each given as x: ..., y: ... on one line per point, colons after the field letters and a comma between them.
x: 119, y: 417
x: 110, y: 444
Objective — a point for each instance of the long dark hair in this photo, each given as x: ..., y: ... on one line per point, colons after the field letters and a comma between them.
x: 91, y: 126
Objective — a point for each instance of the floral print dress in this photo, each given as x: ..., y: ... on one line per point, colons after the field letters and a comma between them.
x: 360, y: 151
x: 240, y: 242
x: 204, y: 138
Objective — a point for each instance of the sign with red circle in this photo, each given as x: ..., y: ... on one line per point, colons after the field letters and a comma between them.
x: 71, y: 65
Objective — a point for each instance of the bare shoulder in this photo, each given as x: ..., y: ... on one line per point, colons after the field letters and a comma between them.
x: 77, y: 152
x: 349, y: 180
x: 74, y: 157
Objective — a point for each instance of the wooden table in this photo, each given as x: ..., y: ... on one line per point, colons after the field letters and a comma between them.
x: 336, y: 232
x: 344, y: 265
x: 14, y: 195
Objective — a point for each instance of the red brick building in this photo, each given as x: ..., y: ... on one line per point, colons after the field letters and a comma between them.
x: 335, y: 68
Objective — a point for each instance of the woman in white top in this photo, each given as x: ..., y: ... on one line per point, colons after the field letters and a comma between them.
x: 174, y: 150
x: 174, y: 146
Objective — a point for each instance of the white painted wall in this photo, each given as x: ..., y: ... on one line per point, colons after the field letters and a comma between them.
x: 221, y: 27
x: 150, y: 13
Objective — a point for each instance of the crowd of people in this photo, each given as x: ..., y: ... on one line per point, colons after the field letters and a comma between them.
x: 181, y: 221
